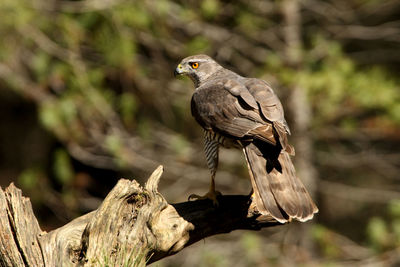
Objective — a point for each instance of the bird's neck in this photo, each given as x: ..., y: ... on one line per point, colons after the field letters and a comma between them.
x: 202, y: 78
x: 196, y: 80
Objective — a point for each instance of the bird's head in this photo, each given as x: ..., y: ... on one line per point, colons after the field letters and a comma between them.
x: 198, y: 68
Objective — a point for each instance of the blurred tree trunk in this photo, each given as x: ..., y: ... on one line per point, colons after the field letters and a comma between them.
x: 133, y: 226
x: 299, y: 106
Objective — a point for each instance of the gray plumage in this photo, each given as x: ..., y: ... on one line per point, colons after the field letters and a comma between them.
x: 245, y: 113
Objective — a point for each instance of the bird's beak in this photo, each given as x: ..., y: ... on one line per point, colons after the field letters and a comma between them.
x: 179, y: 70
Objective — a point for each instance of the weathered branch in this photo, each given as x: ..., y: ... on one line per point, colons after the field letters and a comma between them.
x: 133, y: 224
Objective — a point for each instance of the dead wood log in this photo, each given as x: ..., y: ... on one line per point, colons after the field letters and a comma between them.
x: 133, y: 225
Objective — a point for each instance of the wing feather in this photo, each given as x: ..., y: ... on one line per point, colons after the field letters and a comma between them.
x: 217, y: 109
x: 242, y: 107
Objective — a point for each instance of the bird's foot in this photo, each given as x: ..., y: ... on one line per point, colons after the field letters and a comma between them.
x: 211, y: 195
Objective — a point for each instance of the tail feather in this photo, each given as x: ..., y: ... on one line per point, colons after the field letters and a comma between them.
x: 265, y: 200
x: 278, y: 192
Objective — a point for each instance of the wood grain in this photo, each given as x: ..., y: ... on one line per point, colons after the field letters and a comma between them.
x: 134, y: 224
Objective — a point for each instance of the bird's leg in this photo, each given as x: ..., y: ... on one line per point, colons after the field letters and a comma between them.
x: 212, y: 194
x: 211, y: 146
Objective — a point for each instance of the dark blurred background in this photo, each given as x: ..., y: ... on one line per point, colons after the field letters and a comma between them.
x: 87, y: 96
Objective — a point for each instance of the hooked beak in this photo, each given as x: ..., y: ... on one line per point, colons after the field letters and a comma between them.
x: 179, y: 70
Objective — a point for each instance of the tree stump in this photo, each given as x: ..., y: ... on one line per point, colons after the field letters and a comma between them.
x: 134, y: 225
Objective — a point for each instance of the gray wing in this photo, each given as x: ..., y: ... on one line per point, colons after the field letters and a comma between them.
x: 246, y: 108
x: 271, y: 108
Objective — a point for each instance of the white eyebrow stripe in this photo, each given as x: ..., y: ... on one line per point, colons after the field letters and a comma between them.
x: 195, y: 60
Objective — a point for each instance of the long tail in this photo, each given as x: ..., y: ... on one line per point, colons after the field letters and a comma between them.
x: 277, y: 190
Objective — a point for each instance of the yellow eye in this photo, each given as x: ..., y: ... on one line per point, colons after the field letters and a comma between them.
x: 194, y: 65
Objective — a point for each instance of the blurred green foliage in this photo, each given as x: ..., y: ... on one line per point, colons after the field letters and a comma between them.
x: 335, y: 84
x: 29, y: 178
x: 385, y: 234
x: 326, y: 241
x: 62, y: 167
x: 210, y: 8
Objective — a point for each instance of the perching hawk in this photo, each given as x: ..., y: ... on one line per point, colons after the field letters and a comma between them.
x: 242, y: 112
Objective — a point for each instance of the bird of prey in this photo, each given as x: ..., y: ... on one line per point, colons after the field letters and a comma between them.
x: 245, y: 113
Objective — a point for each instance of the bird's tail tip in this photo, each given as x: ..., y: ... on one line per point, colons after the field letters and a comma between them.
x: 279, y: 193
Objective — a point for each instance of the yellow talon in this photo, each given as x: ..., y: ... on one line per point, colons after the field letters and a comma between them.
x: 211, y: 195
